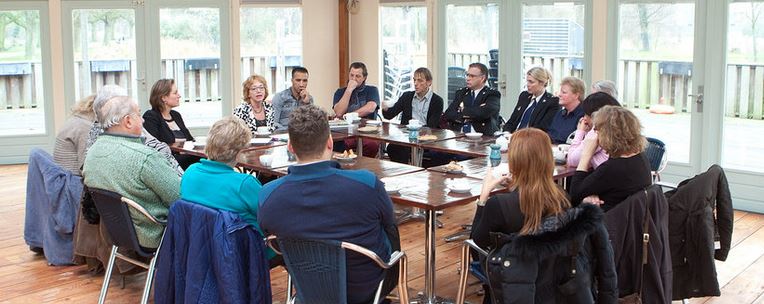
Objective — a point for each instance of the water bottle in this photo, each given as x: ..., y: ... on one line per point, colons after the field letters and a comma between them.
x: 495, y: 156
x: 413, y: 133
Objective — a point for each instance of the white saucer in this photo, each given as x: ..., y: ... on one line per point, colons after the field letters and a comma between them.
x: 389, y: 188
x: 459, y: 188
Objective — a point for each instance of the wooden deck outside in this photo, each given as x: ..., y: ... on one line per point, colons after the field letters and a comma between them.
x: 25, y: 276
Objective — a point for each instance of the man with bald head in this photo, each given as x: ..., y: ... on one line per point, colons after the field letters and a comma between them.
x: 119, y: 161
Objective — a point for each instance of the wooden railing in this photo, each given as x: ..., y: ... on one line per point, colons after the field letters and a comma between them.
x: 642, y: 82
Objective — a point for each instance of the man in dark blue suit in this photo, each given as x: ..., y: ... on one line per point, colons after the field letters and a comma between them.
x: 476, y: 105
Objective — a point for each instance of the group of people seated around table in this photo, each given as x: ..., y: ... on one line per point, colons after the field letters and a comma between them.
x: 119, y: 149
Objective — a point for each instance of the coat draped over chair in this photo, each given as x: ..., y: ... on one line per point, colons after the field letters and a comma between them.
x: 53, y: 195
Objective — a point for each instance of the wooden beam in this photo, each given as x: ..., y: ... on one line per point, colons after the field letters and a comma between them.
x: 344, y: 41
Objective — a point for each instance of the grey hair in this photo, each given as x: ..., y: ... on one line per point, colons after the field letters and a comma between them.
x: 114, y: 109
x: 105, y: 93
x: 605, y: 86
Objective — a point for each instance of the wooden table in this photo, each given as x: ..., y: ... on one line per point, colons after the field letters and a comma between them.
x: 428, y: 190
x: 380, y: 167
x: 477, y: 168
x: 477, y: 148
x: 399, y: 135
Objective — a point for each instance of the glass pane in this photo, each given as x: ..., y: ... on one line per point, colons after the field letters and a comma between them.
x: 190, y: 48
x: 473, y: 36
x: 104, y: 50
x: 553, y: 37
x: 271, y: 44
x: 655, y: 70
x: 744, y: 100
x: 404, y: 46
x: 21, y: 80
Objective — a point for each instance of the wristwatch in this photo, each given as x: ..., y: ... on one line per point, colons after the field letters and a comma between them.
x: 479, y: 202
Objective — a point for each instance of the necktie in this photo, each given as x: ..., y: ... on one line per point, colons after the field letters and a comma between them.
x: 471, y: 98
x: 527, y: 115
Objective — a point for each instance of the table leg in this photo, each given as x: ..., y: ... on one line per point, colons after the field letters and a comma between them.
x: 359, y: 146
x: 416, y: 213
x: 428, y: 296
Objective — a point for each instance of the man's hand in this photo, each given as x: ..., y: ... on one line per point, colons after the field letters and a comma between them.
x: 352, y: 84
x: 304, y: 96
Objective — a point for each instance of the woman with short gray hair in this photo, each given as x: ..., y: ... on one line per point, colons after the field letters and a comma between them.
x: 212, y: 182
x: 605, y: 86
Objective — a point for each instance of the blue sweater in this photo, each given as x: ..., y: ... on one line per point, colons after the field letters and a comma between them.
x: 216, y: 185
x: 321, y: 201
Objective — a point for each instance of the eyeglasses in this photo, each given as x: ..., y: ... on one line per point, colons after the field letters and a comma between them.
x: 468, y: 75
x: 257, y: 88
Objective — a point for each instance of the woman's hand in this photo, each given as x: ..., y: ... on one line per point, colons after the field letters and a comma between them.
x: 490, y: 182
x: 589, y: 147
x: 593, y: 199
x: 584, y: 124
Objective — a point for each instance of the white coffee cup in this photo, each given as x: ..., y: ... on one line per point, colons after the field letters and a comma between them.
x: 266, y: 160
x: 563, y: 147
x: 263, y: 130
x: 415, y: 123
x: 350, y: 117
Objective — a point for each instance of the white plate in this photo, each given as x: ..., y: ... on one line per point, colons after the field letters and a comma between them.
x: 345, y: 159
x: 459, y: 188
x: 474, y: 135
x: 262, y: 134
x: 390, y: 188
x: 374, y: 122
x: 260, y: 141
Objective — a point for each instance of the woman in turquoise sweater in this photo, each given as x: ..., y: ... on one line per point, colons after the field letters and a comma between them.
x: 214, y: 183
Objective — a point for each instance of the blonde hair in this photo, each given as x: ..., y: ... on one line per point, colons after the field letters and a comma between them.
x: 618, y: 131
x: 84, y: 107
x: 247, y: 84
x: 226, y: 138
x: 577, y: 86
x: 532, y: 166
x: 541, y: 74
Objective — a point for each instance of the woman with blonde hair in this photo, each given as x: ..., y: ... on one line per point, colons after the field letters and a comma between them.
x: 535, y: 106
x: 565, y: 120
x: 626, y: 170
x: 255, y: 111
x: 71, y: 141
x: 536, y: 214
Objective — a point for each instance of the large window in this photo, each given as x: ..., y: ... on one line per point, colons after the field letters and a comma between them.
x: 472, y: 36
x: 21, y: 74
x: 103, y: 42
x: 553, y: 37
x: 655, y: 70
x: 271, y: 44
x: 744, y: 102
x: 403, y: 35
x: 190, y: 48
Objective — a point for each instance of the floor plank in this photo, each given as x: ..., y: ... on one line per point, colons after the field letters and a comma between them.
x: 26, y: 278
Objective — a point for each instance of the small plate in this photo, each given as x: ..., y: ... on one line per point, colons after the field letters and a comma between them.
x: 262, y: 134
x: 474, y: 135
x: 345, y: 159
x: 373, y: 123
x: 459, y: 188
x: 455, y: 171
x: 368, y: 129
x: 391, y: 189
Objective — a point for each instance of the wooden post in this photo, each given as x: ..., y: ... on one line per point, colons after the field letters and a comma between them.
x: 344, y: 47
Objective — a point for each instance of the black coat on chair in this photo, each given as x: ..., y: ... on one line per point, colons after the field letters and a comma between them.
x: 542, y: 115
x: 483, y: 114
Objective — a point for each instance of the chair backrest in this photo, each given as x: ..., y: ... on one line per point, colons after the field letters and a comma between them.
x: 655, y: 152
x: 317, y: 268
x: 116, y: 216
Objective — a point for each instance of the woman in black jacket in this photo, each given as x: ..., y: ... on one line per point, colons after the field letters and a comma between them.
x: 166, y: 124
x: 540, y: 229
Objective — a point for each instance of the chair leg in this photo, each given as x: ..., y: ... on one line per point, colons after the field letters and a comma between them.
x: 149, y: 280
x: 107, y: 275
x: 465, y: 270
x: 289, y: 299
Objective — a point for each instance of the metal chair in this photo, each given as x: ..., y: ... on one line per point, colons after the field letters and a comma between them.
x: 657, y: 156
x: 467, y: 267
x: 115, y: 214
x: 318, y: 269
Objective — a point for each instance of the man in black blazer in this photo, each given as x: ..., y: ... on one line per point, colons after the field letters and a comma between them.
x: 476, y: 104
x: 421, y: 104
x: 544, y: 104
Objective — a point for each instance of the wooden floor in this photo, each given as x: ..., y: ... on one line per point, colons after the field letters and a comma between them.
x: 26, y: 278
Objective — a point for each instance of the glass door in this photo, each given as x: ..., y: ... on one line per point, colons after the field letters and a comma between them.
x: 102, y: 40
x: 658, y: 74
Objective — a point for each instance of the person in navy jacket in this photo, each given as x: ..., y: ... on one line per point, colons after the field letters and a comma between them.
x: 535, y: 106
x: 477, y: 104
